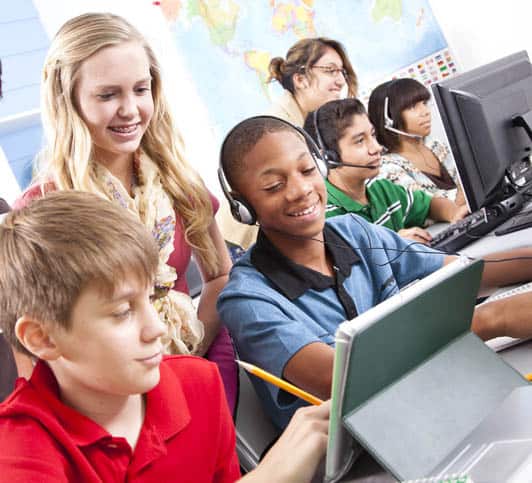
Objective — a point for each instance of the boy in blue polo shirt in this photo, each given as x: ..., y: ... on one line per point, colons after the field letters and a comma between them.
x: 347, y: 138
x: 287, y: 295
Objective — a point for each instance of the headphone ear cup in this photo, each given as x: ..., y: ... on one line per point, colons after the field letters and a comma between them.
x: 322, y: 165
x: 243, y: 212
x: 332, y: 159
x: 388, y: 121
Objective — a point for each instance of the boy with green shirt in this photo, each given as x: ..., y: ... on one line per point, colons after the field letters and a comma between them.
x: 343, y: 131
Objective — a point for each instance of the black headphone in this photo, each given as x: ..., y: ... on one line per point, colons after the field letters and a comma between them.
x: 241, y: 209
x: 330, y: 156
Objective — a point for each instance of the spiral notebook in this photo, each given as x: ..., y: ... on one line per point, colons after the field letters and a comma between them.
x: 411, y: 381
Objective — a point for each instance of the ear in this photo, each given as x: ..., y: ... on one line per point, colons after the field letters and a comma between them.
x: 36, y: 336
x: 300, y: 81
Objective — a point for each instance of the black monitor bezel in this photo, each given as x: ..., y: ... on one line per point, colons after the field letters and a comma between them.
x: 445, y: 94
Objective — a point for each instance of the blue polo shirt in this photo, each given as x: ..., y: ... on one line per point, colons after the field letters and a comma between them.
x: 274, y: 307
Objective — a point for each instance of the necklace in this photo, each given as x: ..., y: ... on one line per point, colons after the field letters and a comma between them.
x: 429, y: 165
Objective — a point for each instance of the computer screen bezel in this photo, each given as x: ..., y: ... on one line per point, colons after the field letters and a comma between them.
x: 476, y: 85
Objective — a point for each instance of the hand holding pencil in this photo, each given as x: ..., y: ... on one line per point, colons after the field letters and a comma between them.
x: 286, y: 386
x: 295, y: 456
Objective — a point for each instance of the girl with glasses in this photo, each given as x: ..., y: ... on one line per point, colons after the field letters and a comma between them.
x: 314, y: 72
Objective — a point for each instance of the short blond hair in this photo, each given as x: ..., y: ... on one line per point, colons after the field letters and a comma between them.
x: 68, y: 156
x: 52, y: 249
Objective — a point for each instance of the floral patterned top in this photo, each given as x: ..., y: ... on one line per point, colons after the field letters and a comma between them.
x: 401, y: 171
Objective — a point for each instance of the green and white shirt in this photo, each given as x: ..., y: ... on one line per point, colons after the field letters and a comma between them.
x: 389, y: 205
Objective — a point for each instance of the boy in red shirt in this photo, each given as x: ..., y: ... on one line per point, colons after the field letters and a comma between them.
x: 103, y: 404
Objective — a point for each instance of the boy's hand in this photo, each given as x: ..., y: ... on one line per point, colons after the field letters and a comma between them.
x: 460, y: 212
x: 297, y: 453
x: 417, y: 234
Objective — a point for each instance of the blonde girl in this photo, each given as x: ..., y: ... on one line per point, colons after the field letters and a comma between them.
x: 109, y: 131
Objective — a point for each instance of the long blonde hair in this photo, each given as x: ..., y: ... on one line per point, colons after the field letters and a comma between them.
x: 67, y: 159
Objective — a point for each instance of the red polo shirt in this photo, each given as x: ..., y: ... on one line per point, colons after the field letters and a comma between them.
x: 187, y: 435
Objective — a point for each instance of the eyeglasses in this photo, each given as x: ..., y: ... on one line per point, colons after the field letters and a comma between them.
x: 330, y: 70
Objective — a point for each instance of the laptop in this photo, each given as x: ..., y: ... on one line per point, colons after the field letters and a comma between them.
x: 411, y: 382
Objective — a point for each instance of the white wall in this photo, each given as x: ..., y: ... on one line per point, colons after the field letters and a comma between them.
x: 480, y: 31
x: 10, y: 189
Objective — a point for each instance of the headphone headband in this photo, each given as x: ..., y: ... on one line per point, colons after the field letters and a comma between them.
x: 330, y: 156
x: 241, y: 209
x: 388, y: 121
x: 321, y: 144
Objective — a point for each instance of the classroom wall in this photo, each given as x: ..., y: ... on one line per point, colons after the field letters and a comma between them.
x: 480, y: 31
x: 477, y: 32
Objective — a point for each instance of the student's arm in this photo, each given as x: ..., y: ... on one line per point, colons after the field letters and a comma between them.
x: 311, y: 369
x: 416, y: 206
x: 460, y: 197
x: 295, y: 456
x: 273, y: 333
x: 516, y: 268
x: 442, y: 209
x: 504, y: 268
x: 212, y: 286
x: 408, y: 261
x: 511, y: 316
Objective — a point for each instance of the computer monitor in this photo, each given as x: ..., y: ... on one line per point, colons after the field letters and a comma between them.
x: 478, y: 110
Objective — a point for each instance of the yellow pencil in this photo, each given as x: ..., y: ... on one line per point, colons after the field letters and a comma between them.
x: 528, y: 377
x: 286, y: 386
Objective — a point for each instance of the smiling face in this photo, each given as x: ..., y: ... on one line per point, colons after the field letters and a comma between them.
x: 358, y: 145
x: 282, y: 183
x: 113, y: 95
x: 327, y: 81
x: 417, y: 119
x: 113, y: 345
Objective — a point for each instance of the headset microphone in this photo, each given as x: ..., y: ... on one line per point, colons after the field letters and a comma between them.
x: 388, y: 123
x: 350, y: 165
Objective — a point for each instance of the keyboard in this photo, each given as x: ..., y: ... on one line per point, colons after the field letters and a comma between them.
x: 469, y: 229
x: 518, y: 222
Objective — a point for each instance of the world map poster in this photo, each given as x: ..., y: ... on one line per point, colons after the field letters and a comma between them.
x: 227, y: 45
